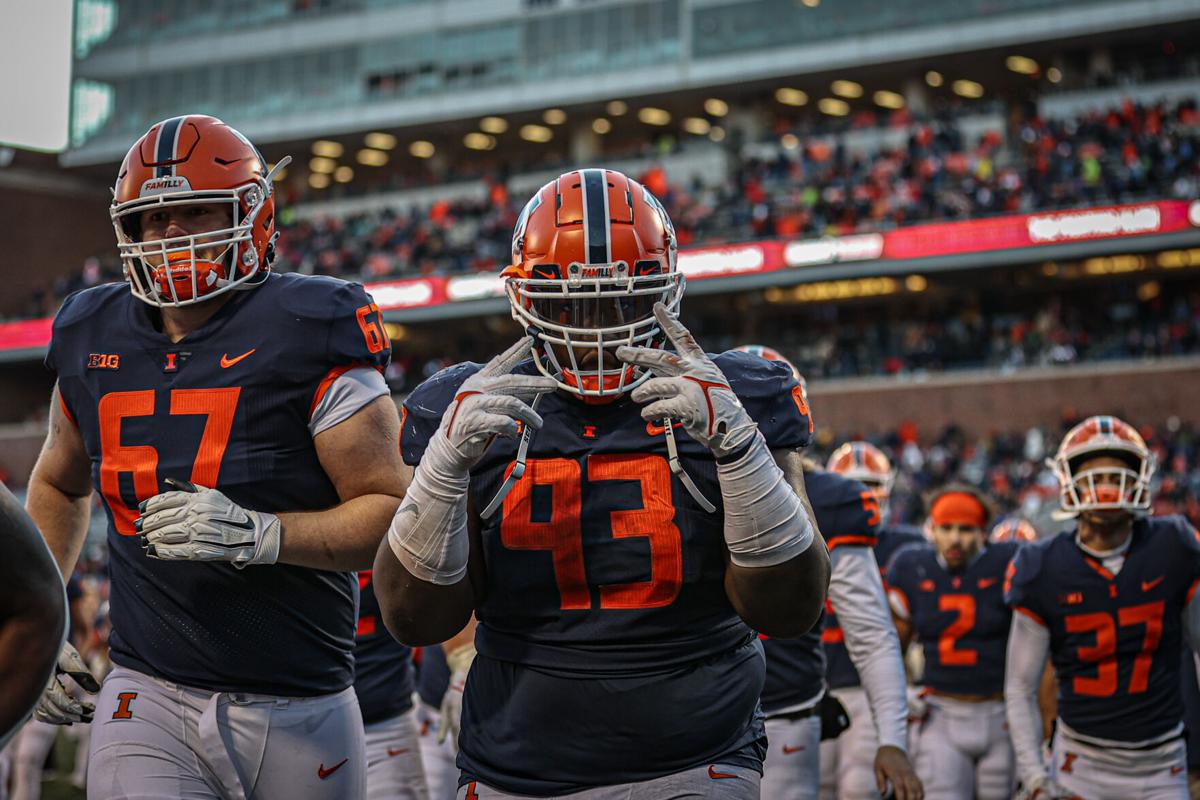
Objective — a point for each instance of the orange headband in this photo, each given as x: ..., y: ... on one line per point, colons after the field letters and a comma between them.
x: 958, y: 508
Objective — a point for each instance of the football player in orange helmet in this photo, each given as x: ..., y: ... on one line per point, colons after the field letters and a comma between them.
x: 620, y: 510
x: 1109, y: 602
x: 238, y: 430
x: 856, y: 638
x: 866, y: 463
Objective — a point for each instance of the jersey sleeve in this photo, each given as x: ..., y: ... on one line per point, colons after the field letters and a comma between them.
x: 898, y: 581
x: 422, y: 411
x: 1019, y: 582
x: 847, y: 512
x: 771, y: 396
x: 357, y: 337
x: 1186, y: 558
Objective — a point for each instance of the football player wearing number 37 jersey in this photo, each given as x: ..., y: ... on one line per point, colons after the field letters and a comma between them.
x: 620, y: 510
x: 239, y: 432
x: 1109, y: 603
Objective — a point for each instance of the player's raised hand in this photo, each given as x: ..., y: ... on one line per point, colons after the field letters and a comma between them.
x: 195, y: 523
x: 689, y: 387
x: 489, y: 404
x: 56, y: 705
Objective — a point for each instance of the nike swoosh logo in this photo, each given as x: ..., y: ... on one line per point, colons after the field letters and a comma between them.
x: 1148, y: 585
x: 393, y: 753
x: 244, y: 524
x: 716, y: 776
x: 788, y: 750
x: 227, y: 362
x: 323, y: 773
x: 986, y: 582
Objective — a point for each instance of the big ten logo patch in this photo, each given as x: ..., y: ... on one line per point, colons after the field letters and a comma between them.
x: 104, y: 361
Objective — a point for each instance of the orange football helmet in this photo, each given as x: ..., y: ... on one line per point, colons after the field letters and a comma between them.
x: 185, y: 161
x: 592, y: 252
x: 866, y: 463
x: 1013, y: 529
x: 1103, y: 488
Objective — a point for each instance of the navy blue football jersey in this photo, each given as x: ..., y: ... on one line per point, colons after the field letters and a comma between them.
x: 959, y: 617
x: 383, y: 673
x: 847, y: 516
x: 840, y: 672
x: 226, y: 407
x: 1115, y: 640
x: 605, y: 636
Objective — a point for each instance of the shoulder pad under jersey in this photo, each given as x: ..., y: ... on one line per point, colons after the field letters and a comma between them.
x: 847, y: 512
x: 772, y: 398
x: 423, y: 409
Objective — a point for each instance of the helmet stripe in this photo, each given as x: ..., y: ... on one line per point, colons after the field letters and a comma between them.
x: 595, y: 217
x: 168, y: 141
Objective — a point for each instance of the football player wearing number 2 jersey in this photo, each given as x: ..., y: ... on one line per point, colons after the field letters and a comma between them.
x: 620, y: 510
x: 239, y: 432
x: 949, y: 594
x: 1109, y: 603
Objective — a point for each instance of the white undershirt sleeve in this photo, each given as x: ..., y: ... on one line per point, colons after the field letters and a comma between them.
x: 1028, y: 648
x: 350, y: 392
x: 856, y: 592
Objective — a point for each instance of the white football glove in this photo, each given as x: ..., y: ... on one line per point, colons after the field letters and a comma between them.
x: 918, y: 706
x: 1046, y: 788
x: 690, y: 388
x: 195, y: 523
x: 488, y: 404
x: 56, y: 705
x: 450, y: 722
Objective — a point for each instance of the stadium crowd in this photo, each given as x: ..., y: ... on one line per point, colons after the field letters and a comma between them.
x: 813, y: 188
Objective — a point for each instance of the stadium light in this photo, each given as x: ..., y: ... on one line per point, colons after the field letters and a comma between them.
x: 276, y: 176
x: 343, y: 174
x: 601, y: 126
x: 616, y: 108
x: 885, y: 99
x: 716, y: 107
x: 717, y: 134
x: 697, y: 126
x: 791, y: 97
x: 318, y: 180
x: 916, y: 283
x: 327, y: 149
x: 848, y: 89
x: 654, y: 116
x: 377, y: 140
x: 811, y: 3
x: 372, y: 158
x: 833, y: 107
x: 493, y: 125
x: 536, y: 133
x: 789, y: 141
x: 934, y: 78
x: 1021, y: 65
x: 1054, y: 75
x: 479, y: 141
x: 554, y: 116
x: 421, y: 149
x: 323, y: 165
x: 968, y: 89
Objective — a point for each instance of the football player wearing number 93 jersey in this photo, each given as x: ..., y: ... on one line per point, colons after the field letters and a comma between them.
x: 622, y: 512
x: 1108, y: 602
x: 238, y: 430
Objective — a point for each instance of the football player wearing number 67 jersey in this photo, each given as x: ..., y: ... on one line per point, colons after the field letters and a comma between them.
x: 1109, y: 603
x: 238, y: 430
x: 620, y: 510
x: 949, y: 594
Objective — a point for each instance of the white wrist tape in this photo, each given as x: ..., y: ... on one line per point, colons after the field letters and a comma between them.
x: 428, y: 535
x: 765, y: 522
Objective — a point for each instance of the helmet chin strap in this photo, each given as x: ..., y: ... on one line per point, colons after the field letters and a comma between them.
x: 518, y: 467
